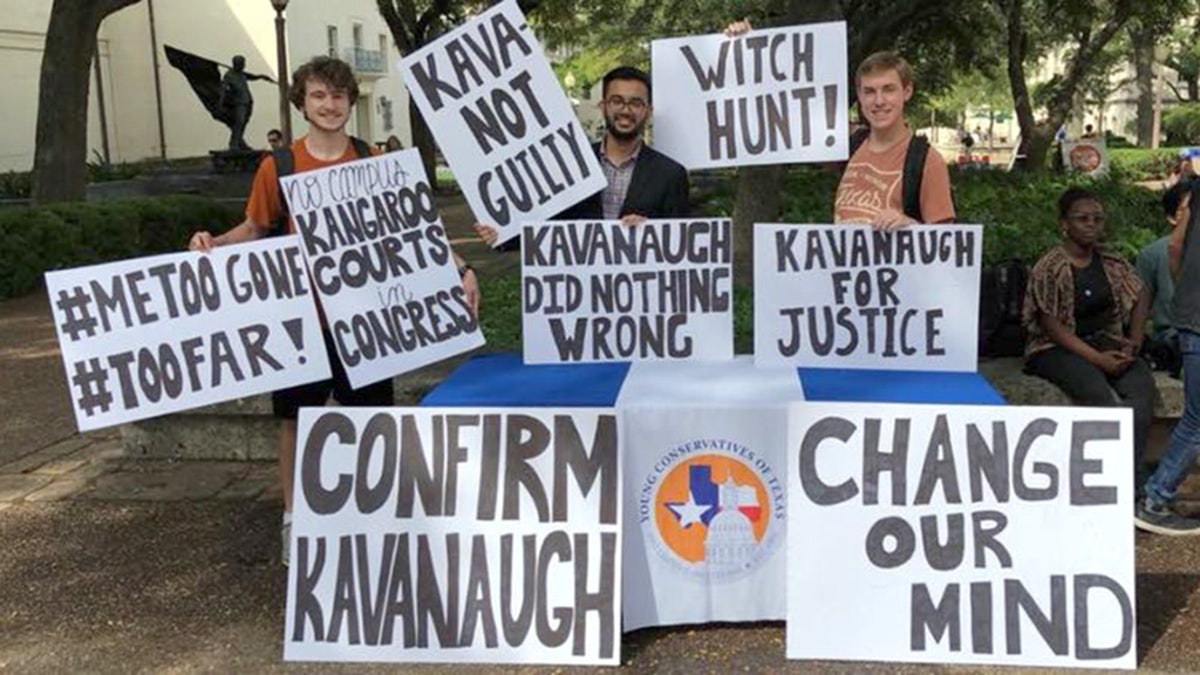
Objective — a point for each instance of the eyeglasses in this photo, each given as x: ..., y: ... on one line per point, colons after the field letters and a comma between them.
x: 633, y: 104
x: 1097, y: 218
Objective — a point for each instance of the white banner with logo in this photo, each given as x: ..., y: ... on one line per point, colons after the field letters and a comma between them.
x: 703, y: 458
x: 961, y: 534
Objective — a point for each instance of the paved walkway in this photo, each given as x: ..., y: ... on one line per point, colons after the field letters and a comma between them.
x: 116, y: 565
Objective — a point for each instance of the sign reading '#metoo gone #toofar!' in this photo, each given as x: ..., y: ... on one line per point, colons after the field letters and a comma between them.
x: 767, y: 97
x: 845, y: 296
x: 160, y: 334
x: 961, y: 534
x: 382, y: 265
x: 502, y: 120
x: 456, y: 536
x: 604, y: 291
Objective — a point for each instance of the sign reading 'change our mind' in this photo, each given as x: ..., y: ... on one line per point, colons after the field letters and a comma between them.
x: 502, y: 121
x: 845, y: 296
x: 382, y: 265
x: 444, y: 535
x: 967, y: 534
x: 767, y: 97
x: 155, y: 335
x: 604, y: 291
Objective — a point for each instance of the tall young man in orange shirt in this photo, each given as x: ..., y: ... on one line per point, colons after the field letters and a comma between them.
x: 873, y: 185
x: 324, y: 89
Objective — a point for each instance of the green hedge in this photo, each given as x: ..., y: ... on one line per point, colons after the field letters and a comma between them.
x: 1141, y: 164
x: 1018, y: 210
x: 34, y: 240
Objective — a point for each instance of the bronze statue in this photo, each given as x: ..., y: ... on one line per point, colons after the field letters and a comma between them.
x: 236, y: 102
x: 227, y: 98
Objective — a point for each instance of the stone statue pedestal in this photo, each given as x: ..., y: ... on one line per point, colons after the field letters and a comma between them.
x: 235, y: 161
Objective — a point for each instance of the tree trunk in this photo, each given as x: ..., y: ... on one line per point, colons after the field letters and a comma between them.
x: 1035, y: 138
x: 1034, y: 152
x: 60, y: 158
x: 759, y: 198
x: 1142, y: 40
x: 422, y: 139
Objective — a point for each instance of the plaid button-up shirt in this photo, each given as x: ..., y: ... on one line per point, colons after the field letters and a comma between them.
x: 613, y: 197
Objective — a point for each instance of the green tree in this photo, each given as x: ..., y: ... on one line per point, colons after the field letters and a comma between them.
x: 1032, y: 29
x: 1153, y: 21
x: 1184, y: 59
x: 60, y: 155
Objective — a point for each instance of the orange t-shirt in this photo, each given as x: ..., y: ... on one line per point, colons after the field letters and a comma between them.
x: 873, y: 181
x: 265, y: 205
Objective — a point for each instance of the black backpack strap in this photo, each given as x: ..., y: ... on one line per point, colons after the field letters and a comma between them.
x: 284, y: 166
x: 361, y: 147
x: 914, y: 172
x: 857, y: 138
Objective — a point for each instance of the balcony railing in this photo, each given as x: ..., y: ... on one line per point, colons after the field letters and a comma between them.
x: 366, y: 61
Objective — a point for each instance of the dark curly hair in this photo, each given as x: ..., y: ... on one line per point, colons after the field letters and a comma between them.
x: 1072, y: 195
x: 333, y: 72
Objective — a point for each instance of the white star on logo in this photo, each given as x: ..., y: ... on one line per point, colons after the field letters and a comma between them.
x: 688, y: 512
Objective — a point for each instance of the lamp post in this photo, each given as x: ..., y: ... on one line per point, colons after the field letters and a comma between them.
x: 285, y: 114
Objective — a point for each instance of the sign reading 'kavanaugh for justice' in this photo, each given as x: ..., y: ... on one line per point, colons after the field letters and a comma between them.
x: 456, y: 536
x: 605, y: 291
x: 502, y: 121
x: 767, y: 97
x: 845, y: 296
x: 382, y: 265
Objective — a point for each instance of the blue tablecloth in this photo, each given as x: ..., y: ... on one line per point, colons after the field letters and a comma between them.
x: 504, y: 380
x: 897, y: 386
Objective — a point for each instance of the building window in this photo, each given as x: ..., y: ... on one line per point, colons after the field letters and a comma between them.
x: 357, y: 34
x: 383, y: 45
x: 332, y: 37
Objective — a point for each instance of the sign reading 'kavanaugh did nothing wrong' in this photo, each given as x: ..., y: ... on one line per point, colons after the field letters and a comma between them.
x: 604, y: 291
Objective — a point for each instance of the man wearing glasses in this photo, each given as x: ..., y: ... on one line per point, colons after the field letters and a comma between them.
x: 642, y: 183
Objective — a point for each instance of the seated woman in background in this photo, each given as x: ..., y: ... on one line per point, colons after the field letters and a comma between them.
x: 1085, y: 316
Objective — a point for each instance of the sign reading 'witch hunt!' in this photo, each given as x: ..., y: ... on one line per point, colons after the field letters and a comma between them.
x: 768, y: 97
x: 382, y: 265
x: 502, y: 121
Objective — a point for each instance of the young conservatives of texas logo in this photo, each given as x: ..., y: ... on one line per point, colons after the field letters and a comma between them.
x: 713, y: 509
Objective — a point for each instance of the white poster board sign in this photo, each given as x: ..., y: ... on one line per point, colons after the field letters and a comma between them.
x: 767, y: 97
x: 845, y: 296
x: 502, y: 121
x: 155, y: 335
x: 1086, y: 155
x: 603, y: 291
x: 382, y: 265
x: 968, y: 534
x: 442, y: 535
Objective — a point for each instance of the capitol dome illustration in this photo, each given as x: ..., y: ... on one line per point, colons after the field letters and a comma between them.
x: 730, y: 542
